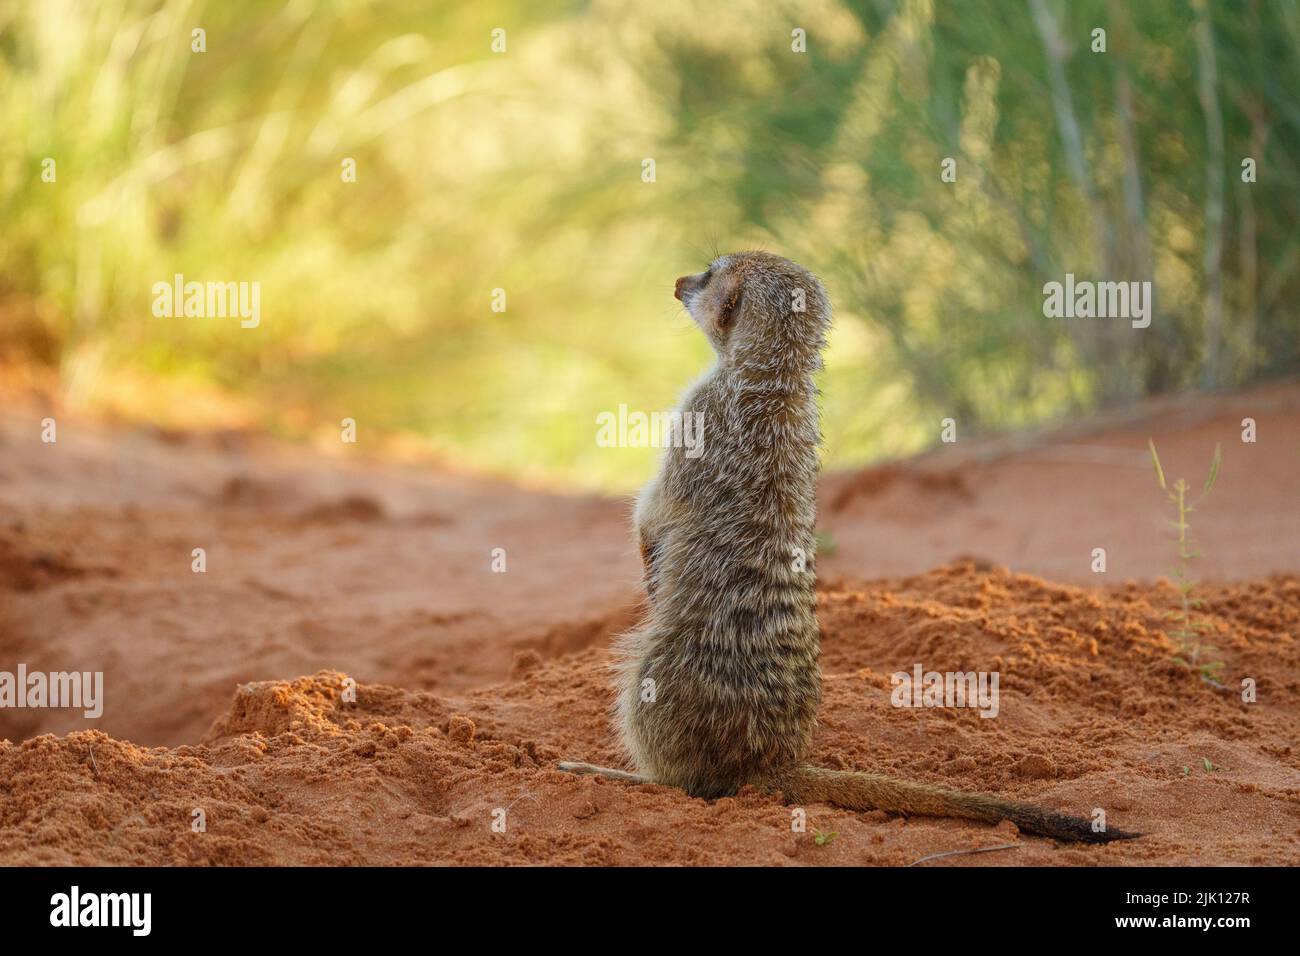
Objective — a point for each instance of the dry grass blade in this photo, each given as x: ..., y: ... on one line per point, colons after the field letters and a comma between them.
x: 1155, y: 460
x: 982, y: 849
x: 1214, y: 469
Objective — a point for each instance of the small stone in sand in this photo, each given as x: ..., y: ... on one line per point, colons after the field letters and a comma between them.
x: 460, y: 729
x: 524, y: 663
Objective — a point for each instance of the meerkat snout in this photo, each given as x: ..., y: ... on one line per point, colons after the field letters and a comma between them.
x: 688, y: 287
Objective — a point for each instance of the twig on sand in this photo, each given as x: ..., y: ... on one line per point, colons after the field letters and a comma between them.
x: 982, y: 849
x: 93, y: 766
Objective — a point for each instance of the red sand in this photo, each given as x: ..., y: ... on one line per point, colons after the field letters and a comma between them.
x: 317, y: 565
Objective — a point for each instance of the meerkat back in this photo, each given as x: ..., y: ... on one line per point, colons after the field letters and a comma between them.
x: 721, y: 685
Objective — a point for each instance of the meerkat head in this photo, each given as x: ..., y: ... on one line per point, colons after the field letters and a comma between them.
x: 759, y: 310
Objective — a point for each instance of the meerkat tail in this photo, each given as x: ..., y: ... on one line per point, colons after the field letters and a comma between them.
x: 570, y: 766
x: 865, y: 791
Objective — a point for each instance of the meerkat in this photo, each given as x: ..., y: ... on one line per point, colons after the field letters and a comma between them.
x: 720, y: 683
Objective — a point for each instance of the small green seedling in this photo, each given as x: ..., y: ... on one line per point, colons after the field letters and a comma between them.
x: 1209, y: 767
x: 1188, y: 633
x: 821, y: 839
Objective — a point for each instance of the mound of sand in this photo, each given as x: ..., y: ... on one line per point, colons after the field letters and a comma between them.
x: 1093, y: 713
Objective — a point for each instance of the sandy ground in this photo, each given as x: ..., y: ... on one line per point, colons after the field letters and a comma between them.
x: 471, y: 684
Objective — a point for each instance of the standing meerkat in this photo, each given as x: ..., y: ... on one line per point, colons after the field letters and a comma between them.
x: 719, y: 685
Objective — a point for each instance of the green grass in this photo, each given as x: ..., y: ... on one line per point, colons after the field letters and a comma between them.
x: 521, y: 171
x: 1189, y: 632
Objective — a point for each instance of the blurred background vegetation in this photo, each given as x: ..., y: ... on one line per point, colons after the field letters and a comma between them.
x: 522, y: 170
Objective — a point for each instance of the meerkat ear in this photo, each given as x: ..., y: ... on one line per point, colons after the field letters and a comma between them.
x: 731, y: 304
